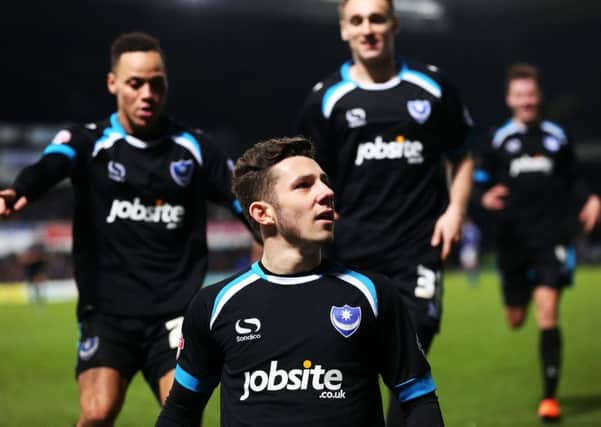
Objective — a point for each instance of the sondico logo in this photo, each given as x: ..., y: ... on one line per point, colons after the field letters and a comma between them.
x: 314, y: 377
x: 397, y: 149
x: 170, y: 215
x: 248, y: 329
x: 531, y: 164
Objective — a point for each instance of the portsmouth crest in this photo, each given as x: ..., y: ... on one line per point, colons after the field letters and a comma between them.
x: 88, y: 348
x: 551, y: 143
x: 345, y: 320
x: 419, y: 109
x: 181, y: 172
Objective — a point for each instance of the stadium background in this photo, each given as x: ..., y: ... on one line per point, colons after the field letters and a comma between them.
x: 241, y: 69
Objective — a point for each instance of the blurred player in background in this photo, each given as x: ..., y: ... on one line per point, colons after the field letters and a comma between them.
x: 141, y: 183
x: 384, y: 130
x: 296, y: 340
x: 530, y: 183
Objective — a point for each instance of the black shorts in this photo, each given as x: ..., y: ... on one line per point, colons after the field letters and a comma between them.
x: 129, y: 345
x: 523, y: 268
x: 422, y: 286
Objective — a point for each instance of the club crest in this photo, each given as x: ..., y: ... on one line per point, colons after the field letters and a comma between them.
x: 88, y: 348
x: 419, y: 109
x: 345, y: 320
x: 181, y: 172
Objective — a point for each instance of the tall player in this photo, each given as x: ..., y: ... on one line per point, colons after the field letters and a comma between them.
x: 141, y: 183
x: 528, y: 171
x: 384, y: 129
x: 296, y: 340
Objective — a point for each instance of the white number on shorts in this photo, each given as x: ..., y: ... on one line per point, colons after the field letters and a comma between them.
x: 174, y: 326
x: 426, y: 283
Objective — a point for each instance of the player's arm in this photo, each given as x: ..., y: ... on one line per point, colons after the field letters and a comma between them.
x: 35, y: 180
x: 448, y: 226
x: 457, y: 128
x: 313, y: 125
x: 183, y: 408
x: 197, y: 372
x: 403, y: 365
x: 218, y: 169
x: 590, y: 211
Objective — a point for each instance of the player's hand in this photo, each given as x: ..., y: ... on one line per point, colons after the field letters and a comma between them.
x: 447, y: 230
x: 9, y: 202
x: 494, y: 198
x: 590, y: 213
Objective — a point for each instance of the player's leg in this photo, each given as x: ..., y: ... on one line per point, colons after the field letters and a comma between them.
x: 101, y: 395
x: 107, y: 360
x: 555, y: 268
x: 515, y: 285
x: 162, y: 343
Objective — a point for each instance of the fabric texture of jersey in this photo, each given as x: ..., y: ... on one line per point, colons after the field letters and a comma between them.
x: 310, y: 345
x: 537, y: 165
x: 139, y: 225
x: 384, y: 147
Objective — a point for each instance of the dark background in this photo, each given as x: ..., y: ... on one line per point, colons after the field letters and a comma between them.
x: 242, y: 68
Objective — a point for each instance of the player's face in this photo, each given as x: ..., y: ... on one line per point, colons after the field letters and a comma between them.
x: 369, y: 26
x: 523, y: 98
x: 304, y: 202
x: 139, y: 81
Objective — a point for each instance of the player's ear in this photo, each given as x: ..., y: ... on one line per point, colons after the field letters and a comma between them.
x: 343, y: 31
x: 262, y: 212
x: 111, y: 83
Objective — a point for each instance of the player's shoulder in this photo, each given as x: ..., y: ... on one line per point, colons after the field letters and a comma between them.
x: 195, y: 140
x: 506, y: 131
x: 374, y: 286
x: 554, y: 130
x: 428, y: 76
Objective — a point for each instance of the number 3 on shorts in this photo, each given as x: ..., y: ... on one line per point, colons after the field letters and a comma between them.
x: 426, y: 283
x: 174, y: 326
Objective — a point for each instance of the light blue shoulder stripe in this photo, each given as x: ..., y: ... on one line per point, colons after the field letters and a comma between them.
x: 192, y: 383
x: 415, y: 387
x: 229, y: 291
x: 510, y: 127
x: 189, y: 142
x: 554, y: 130
x: 422, y: 80
x: 364, y: 284
x: 481, y: 176
x: 333, y: 95
x: 65, y: 150
x: 110, y: 135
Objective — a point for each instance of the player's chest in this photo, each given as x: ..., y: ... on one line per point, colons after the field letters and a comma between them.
x: 286, y: 325
x: 154, y: 171
x: 527, y: 155
x: 400, y: 130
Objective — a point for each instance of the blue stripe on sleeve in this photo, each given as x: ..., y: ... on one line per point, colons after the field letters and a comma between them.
x: 415, y: 388
x: 481, y: 176
x: 185, y: 379
x: 237, y: 206
x: 63, y: 149
x: 190, y: 382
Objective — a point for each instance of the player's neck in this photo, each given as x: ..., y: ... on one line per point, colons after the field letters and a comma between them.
x: 379, y: 72
x: 527, y: 123
x: 286, y: 259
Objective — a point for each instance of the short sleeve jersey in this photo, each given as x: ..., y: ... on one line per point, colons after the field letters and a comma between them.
x: 537, y: 164
x: 139, y: 223
x: 301, y: 350
x: 384, y: 147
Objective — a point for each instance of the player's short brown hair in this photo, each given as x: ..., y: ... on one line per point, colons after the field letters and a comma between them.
x: 521, y: 70
x: 252, y: 178
x: 344, y: 2
x: 134, y: 42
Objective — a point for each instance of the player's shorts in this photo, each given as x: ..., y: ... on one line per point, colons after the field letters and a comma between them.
x: 523, y: 268
x: 129, y: 345
x: 422, y: 286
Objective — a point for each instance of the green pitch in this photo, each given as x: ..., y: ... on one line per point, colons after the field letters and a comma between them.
x: 487, y: 375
